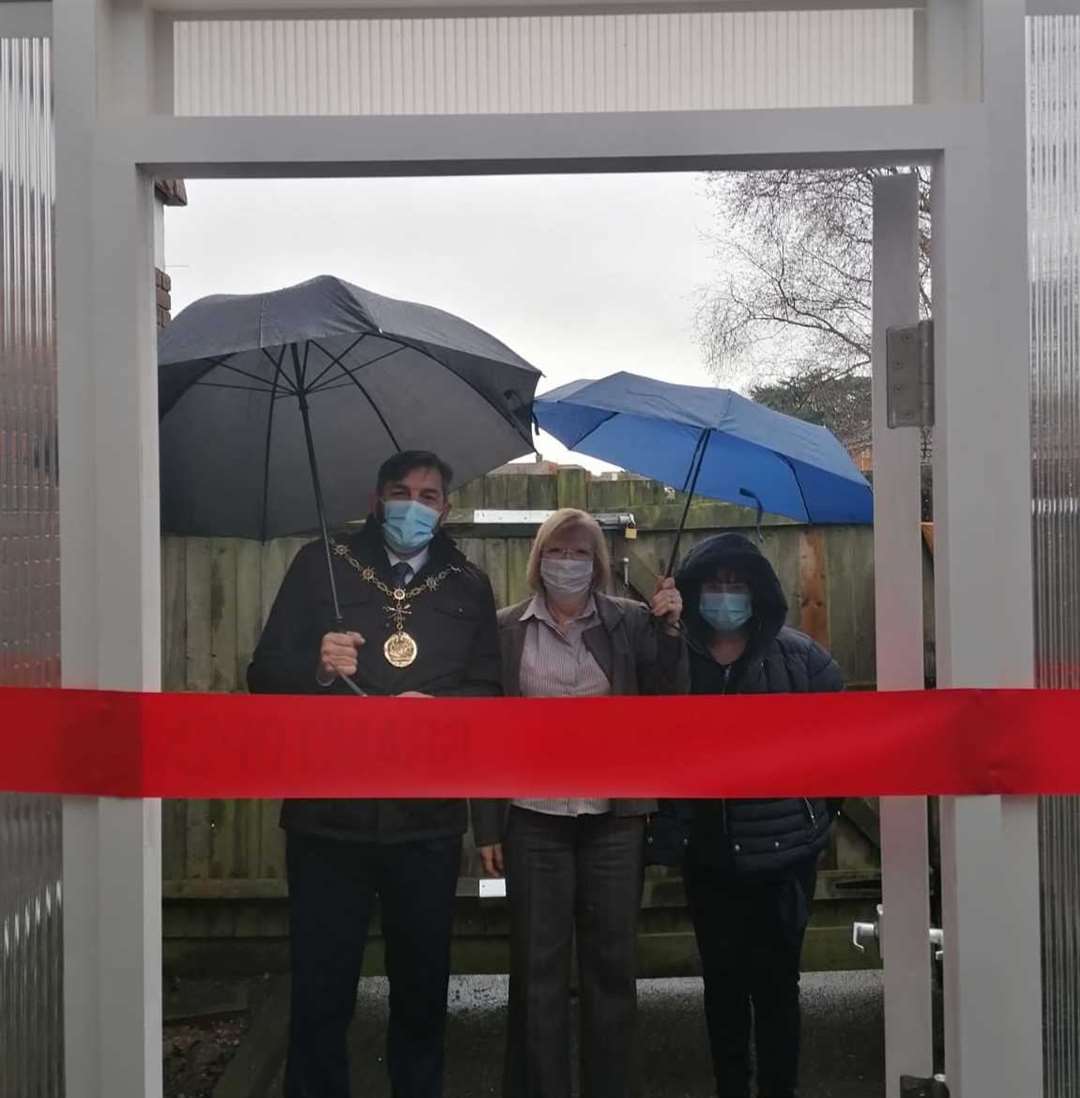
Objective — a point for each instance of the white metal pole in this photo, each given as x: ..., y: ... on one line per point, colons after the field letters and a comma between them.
x: 110, y: 550
x: 898, y: 577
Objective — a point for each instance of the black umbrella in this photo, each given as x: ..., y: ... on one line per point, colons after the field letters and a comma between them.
x: 258, y: 392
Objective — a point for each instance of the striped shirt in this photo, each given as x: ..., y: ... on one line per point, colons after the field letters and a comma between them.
x: 556, y: 663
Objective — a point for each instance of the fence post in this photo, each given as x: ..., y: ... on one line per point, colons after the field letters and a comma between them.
x: 571, y: 489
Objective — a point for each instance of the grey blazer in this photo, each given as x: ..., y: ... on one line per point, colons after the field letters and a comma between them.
x: 636, y: 656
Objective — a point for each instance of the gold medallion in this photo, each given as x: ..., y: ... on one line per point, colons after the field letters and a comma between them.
x: 400, y: 649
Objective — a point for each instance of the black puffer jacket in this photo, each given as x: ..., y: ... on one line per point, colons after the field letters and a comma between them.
x: 754, y: 837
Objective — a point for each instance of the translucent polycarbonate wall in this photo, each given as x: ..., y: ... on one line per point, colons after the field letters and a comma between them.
x: 31, y: 949
x: 29, y: 534
x: 31, y: 1044
x: 1054, y: 224
x: 544, y: 64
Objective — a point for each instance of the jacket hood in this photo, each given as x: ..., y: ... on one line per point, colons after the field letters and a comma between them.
x: 739, y: 554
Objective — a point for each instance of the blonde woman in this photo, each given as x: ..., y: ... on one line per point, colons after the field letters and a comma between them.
x: 575, y: 863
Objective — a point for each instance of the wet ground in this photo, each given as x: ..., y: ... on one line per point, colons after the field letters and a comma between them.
x: 843, y: 1052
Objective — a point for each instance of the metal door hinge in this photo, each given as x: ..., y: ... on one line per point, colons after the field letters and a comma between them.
x: 914, y: 1087
x: 909, y: 375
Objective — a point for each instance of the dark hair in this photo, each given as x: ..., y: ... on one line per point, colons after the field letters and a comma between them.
x: 404, y: 462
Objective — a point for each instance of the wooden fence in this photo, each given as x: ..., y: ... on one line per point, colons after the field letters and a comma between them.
x: 217, y: 592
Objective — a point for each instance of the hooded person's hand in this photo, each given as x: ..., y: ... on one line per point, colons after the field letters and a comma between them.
x: 666, y: 603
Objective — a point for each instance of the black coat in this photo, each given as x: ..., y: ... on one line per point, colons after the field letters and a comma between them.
x: 454, y: 627
x: 758, y: 837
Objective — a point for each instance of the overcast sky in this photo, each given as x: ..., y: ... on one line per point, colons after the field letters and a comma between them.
x: 581, y: 275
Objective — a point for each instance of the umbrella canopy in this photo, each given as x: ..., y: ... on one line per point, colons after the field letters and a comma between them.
x: 710, y: 441
x: 258, y: 392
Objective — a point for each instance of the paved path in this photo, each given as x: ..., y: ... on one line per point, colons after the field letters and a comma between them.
x: 842, y: 1038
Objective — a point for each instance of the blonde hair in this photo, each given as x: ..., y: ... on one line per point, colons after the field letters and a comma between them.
x: 562, y: 519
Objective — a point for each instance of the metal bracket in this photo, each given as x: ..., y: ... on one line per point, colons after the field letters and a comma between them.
x: 864, y: 933
x: 909, y: 375
x: 482, y: 887
x: 913, y: 1087
x: 937, y: 942
x: 608, y: 520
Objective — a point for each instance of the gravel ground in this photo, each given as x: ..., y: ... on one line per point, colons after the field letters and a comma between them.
x: 205, y: 1022
x: 197, y: 1053
x: 843, y: 1049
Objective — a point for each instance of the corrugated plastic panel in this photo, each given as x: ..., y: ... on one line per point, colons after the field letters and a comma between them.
x: 544, y: 64
x: 1054, y: 221
x: 31, y: 1015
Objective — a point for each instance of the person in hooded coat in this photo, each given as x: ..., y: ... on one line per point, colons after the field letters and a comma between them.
x: 750, y: 865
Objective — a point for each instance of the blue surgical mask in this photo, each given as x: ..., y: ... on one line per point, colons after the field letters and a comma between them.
x: 407, y: 525
x: 725, y: 611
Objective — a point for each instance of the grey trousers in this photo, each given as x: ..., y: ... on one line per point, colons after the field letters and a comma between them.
x: 567, y: 872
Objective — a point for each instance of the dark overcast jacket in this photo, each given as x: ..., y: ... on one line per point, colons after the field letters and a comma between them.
x: 755, y: 836
x: 455, y: 630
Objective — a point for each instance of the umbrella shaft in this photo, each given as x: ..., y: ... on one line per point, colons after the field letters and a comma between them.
x: 319, y: 505
x: 702, y: 445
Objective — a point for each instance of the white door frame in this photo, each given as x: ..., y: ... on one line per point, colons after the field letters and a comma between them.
x: 898, y: 577
x: 110, y: 144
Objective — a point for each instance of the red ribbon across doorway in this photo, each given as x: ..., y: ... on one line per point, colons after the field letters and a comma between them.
x: 222, y: 745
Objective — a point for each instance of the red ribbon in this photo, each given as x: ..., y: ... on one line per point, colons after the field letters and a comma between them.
x: 221, y: 745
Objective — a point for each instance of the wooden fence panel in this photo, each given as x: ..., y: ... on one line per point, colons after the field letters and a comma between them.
x: 542, y: 493
x: 216, y: 595
x: 470, y: 496
x: 223, y: 614
x: 608, y: 495
x: 249, y: 617
x: 517, y: 558
x: 781, y: 549
x: 173, y: 613
x: 813, y: 586
x: 197, y: 641
x: 851, y: 602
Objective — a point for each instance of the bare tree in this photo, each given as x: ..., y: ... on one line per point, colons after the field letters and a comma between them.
x: 840, y: 403
x: 792, y: 305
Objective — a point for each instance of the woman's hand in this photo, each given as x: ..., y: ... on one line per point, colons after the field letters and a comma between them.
x: 492, y: 857
x: 666, y: 603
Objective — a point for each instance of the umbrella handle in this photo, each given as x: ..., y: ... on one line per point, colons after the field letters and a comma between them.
x: 351, y: 685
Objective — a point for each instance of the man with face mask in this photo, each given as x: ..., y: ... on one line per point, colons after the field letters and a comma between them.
x: 419, y: 621
x: 750, y: 865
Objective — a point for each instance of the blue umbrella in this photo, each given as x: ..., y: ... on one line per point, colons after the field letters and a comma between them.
x: 712, y: 442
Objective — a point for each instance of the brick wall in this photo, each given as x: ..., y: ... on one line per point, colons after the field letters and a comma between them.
x: 163, y: 289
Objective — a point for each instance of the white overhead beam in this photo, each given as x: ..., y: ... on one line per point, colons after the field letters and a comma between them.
x: 506, y: 144
x: 33, y: 18
x: 426, y: 9
x: 25, y: 20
